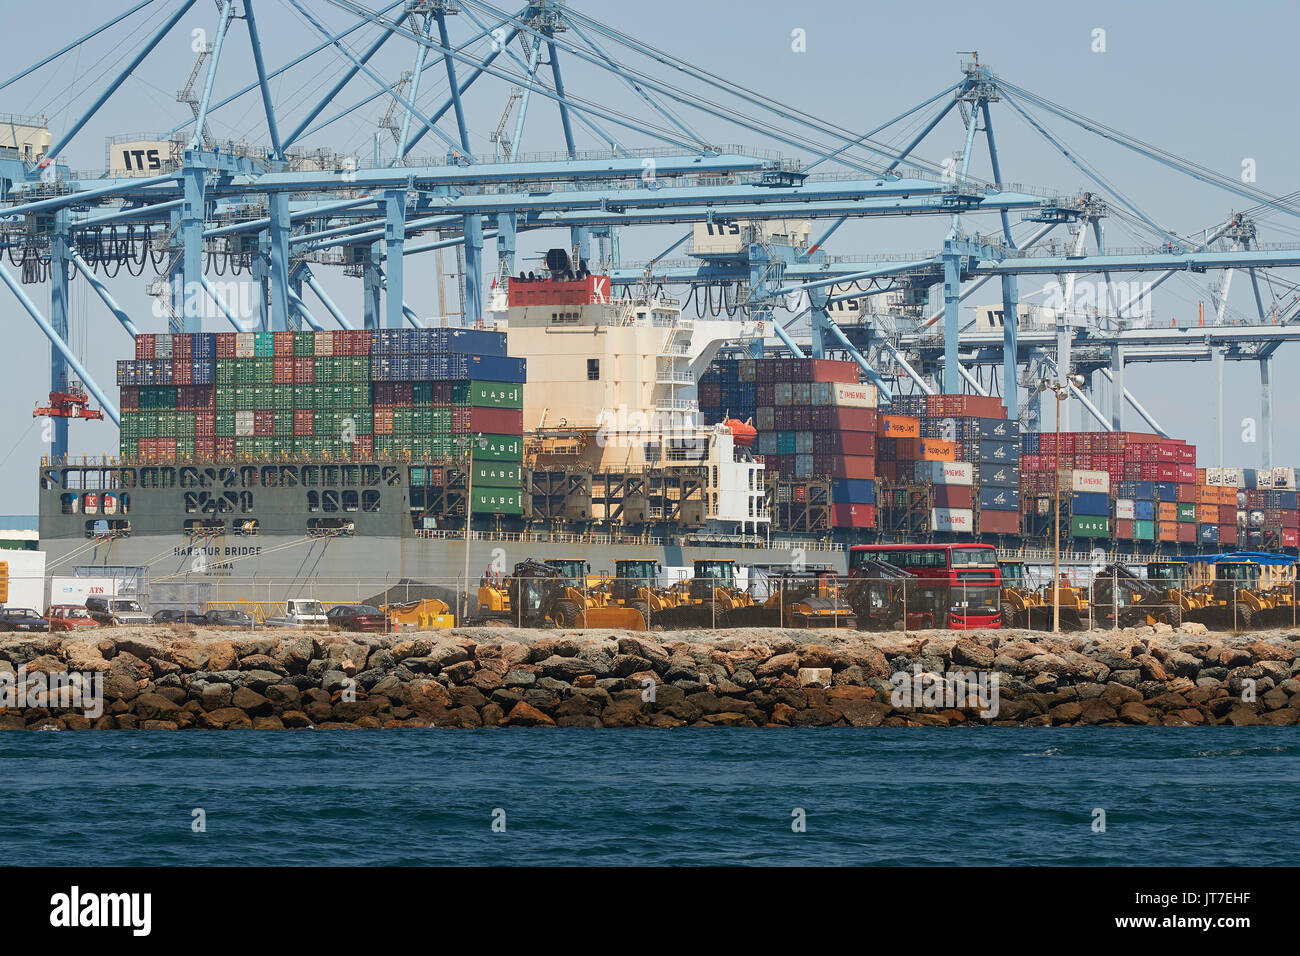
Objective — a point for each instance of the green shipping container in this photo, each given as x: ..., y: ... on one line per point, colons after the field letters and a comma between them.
x: 508, y: 501
x: 1087, y: 526
x: 1187, y: 513
x: 488, y: 394
x: 1144, y: 530
x: 498, y: 474
x: 499, y: 448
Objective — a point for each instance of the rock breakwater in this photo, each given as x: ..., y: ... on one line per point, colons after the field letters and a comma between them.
x: 184, y: 678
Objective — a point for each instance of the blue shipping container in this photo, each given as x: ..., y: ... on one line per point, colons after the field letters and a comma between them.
x: 1207, y: 533
x: 854, y: 491
x: 1090, y: 503
x: 999, y: 499
x: 1000, y: 476
x: 999, y: 451
x: 999, y: 429
x: 1165, y: 490
x: 1144, y: 510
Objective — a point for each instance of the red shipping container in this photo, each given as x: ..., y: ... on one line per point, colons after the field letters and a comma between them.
x: 383, y: 421
x: 1187, y: 456
x: 1227, y: 534
x: 844, y: 466
x: 204, y: 447
x: 226, y: 447
x: 282, y: 371
x: 182, y: 371
x: 496, y: 421
x: 999, y: 522
x: 263, y: 423
x: 1290, y: 538
x: 304, y: 421
x: 1186, y: 474
x: 129, y: 398
x: 282, y: 343
x: 403, y: 394
x: 952, y: 496
x: 364, y: 446
x: 144, y: 347
x: 1228, y: 515
x: 1187, y: 532
x: 1124, y: 529
x: 224, y: 347
x: 833, y: 370
x: 853, y: 516
x: 304, y: 370
x: 1291, y: 519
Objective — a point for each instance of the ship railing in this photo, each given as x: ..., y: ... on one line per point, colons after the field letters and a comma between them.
x: 577, y: 538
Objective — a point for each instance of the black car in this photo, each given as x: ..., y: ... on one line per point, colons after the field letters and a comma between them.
x: 22, y: 619
x: 179, y: 615
x: 224, y: 617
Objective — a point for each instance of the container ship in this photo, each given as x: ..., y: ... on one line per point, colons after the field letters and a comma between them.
x: 580, y: 426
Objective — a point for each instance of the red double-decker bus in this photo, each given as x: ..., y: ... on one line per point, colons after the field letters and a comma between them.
x: 958, y: 585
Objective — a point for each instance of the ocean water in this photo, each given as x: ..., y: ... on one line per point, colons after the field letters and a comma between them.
x: 1171, y: 796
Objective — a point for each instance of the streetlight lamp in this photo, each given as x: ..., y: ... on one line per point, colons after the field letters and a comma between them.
x: 469, y: 444
x: 1062, y: 391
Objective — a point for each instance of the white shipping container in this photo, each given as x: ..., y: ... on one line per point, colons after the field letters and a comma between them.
x: 803, y: 466
x: 1284, y: 478
x: 952, y: 520
x: 844, y: 395
x: 945, y: 472
x: 244, y: 424
x: 324, y: 343
x: 1124, y: 508
x: 801, y: 392
x: 1264, y: 479
x: 803, y: 443
x: 784, y: 393
x: 25, y: 571
x: 1232, y: 477
x: 71, y: 590
x: 1098, y: 481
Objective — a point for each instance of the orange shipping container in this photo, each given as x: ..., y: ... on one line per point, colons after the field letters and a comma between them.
x: 934, y: 449
x: 1207, y: 514
x: 1168, y: 530
x: 1168, y: 512
x: 900, y: 426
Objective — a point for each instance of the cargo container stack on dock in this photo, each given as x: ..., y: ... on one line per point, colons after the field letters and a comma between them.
x: 814, y: 421
x: 950, y: 465
x: 348, y: 395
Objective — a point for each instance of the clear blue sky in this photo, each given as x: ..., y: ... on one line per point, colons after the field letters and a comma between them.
x: 1211, y: 84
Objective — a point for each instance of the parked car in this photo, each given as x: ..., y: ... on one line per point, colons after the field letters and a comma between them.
x: 69, y: 617
x: 299, y: 612
x: 357, y: 617
x: 225, y: 617
x: 113, y: 610
x: 22, y: 619
x: 178, y: 615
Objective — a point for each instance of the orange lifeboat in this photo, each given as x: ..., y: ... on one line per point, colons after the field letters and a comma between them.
x: 742, y: 433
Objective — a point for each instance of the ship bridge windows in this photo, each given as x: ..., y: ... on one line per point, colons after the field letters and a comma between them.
x: 593, y: 370
x: 564, y: 318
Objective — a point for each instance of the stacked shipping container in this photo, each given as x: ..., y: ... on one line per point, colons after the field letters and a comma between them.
x: 350, y: 395
x: 813, y: 420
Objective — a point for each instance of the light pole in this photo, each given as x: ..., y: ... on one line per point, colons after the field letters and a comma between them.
x: 1061, y: 390
x: 469, y: 510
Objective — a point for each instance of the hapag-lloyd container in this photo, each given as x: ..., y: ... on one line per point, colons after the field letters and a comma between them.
x: 1090, y: 481
x: 900, y: 426
x: 945, y: 472
x: 952, y: 520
